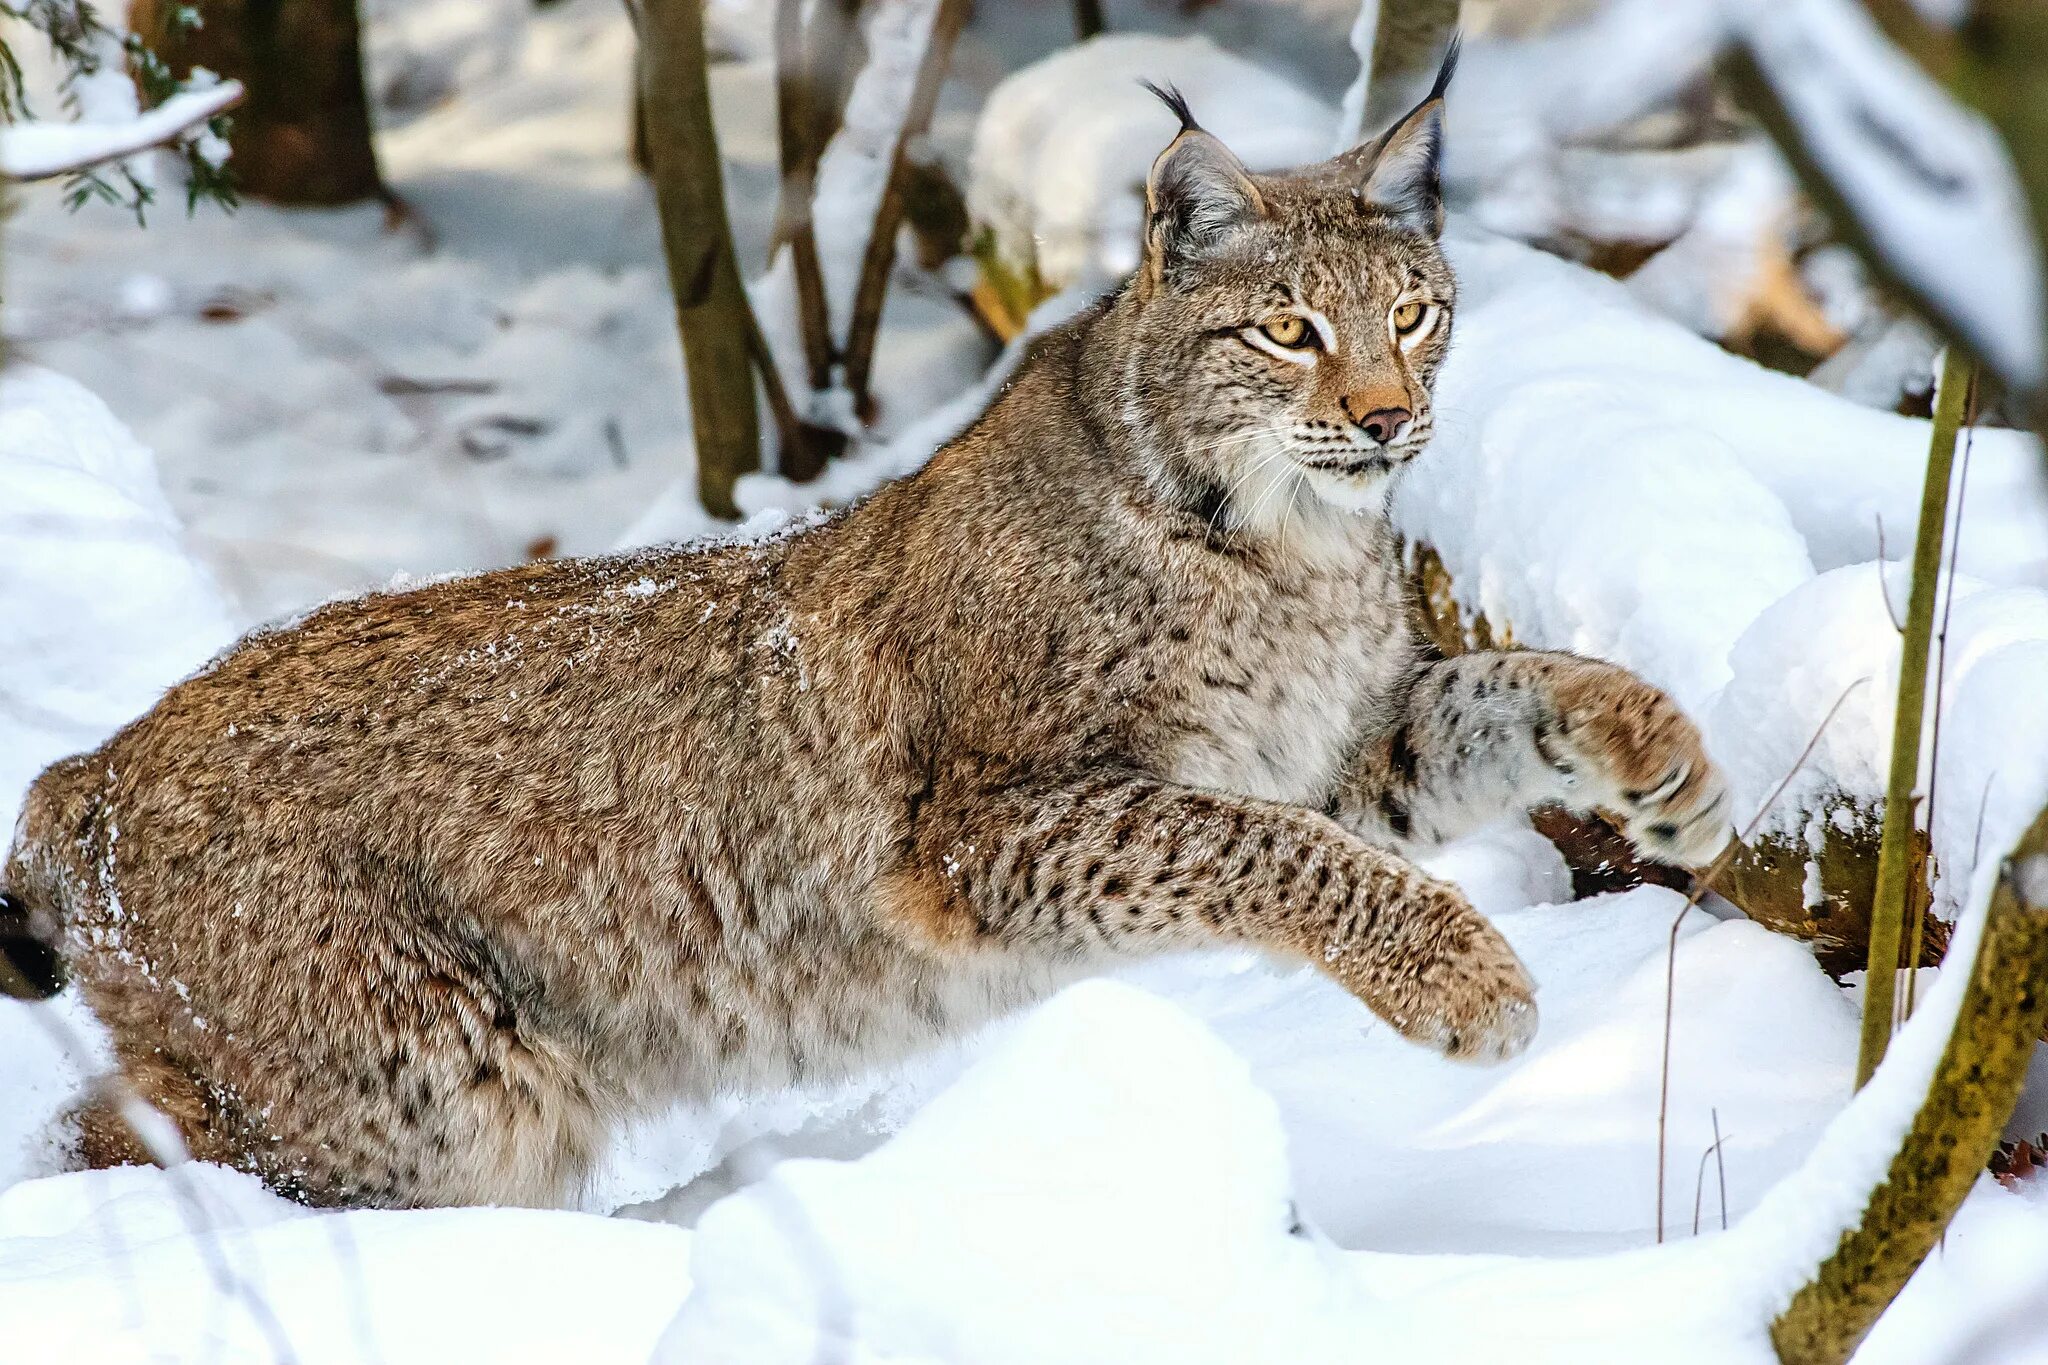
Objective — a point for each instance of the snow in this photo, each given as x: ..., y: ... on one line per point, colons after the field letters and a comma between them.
x: 38, y: 150
x: 1920, y: 172
x: 104, y: 605
x: 1067, y: 1200
x: 1212, y: 1157
x: 126, y: 1265
x: 1064, y: 147
x: 1629, y: 490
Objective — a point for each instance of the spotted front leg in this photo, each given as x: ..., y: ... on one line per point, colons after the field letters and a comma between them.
x: 1112, y: 863
x: 1485, y: 735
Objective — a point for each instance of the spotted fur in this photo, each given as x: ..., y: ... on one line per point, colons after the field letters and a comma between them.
x: 412, y: 901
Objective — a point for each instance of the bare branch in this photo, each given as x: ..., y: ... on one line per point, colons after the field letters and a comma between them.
x: 881, y: 252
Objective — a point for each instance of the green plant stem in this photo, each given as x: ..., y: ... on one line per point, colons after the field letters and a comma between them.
x: 1968, y: 1103
x: 1895, y: 851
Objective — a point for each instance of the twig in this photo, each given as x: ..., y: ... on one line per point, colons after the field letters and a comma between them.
x: 1699, y: 1180
x: 1720, y: 1167
x: 1884, y: 589
x: 788, y: 428
x: 1700, y: 888
x: 1894, y: 858
x: 801, y: 134
x: 881, y: 252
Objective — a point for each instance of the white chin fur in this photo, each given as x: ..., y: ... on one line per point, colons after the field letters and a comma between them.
x: 1360, y: 493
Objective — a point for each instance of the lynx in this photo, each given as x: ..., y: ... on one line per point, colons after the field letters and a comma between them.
x: 411, y: 902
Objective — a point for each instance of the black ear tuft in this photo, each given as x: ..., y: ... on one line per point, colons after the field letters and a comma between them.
x: 1174, y: 100
x: 1449, y: 67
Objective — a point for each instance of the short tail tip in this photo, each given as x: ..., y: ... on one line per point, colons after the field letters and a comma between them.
x: 30, y: 969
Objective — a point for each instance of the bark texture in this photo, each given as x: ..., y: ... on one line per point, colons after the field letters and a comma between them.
x: 302, y: 134
x: 1971, y: 1097
x: 1407, y: 46
x: 712, y: 311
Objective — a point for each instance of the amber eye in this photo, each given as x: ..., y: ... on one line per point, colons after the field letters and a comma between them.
x: 1408, y: 317
x: 1288, y: 329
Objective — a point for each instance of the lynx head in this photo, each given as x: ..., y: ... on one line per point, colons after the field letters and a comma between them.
x: 1288, y: 327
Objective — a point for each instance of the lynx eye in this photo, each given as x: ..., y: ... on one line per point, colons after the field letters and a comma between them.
x: 1409, y: 316
x: 1286, y: 329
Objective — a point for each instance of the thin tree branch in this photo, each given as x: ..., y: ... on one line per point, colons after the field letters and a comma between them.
x: 789, y: 428
x: 881, y: 251
x: 798, y: 130
x: 41, y: 151
x: 1923, y: 887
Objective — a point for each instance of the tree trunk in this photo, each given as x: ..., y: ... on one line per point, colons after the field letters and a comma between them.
x: 302, y: 135
x: 1407, y: 46
x: 712, y: 311
x: 1975, y: 1085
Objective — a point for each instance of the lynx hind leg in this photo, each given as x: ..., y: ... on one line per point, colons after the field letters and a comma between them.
x: 1639, y: 756
x: 436, y: 1117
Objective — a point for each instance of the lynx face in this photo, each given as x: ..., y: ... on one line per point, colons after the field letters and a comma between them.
x: 1295, y: 322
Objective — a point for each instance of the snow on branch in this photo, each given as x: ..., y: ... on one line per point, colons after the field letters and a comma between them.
x: 43, y: 149
x: 1925, y: 180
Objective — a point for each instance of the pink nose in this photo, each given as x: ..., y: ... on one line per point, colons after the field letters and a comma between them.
x: 1384, y: 425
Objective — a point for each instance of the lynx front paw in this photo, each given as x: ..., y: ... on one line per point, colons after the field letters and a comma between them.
x: 1456, y: 987
x: 1625, y: 747
x: 1481, y: 1007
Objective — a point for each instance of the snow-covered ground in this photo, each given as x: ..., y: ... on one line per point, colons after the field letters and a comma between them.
x: 1215, y: 1158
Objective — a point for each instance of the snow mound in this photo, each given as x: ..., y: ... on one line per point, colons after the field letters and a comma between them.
x: 1834, y: 639
x: 1571, y: 504
x: 202, y: 1264
x: 1058, y: 1162
x: 1628, y: 490
x: 101, y: 607
x: 1064, y: 146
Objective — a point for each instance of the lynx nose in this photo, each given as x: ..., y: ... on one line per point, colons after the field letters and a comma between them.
x: 1384, y: 425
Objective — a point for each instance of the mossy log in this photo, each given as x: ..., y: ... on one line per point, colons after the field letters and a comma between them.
x: 1968, y: 1103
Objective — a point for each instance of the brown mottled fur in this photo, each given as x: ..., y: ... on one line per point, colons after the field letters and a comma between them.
x: 409, y: 902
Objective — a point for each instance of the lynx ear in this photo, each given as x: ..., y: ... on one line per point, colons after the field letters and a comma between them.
x: 1398, y: 173
x: 1196, y: 194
